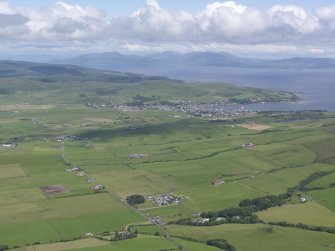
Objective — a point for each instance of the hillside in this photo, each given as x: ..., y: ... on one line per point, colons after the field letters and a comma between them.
x: 16, y: 77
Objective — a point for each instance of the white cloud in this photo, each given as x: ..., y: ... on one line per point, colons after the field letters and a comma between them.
x: 152, y: 23
x: 5, y: 8
x: 326, y: 16
x: 282, y: 27
x: 61, y: 21
x: 293, y: 16
x: 229, y: 19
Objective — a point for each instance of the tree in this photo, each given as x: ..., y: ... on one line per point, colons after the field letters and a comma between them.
x: 135, y: 199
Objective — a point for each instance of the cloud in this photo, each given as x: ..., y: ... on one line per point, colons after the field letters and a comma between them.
x: 12, y: 20
x: 229, y: 19
x: 220, y: 23
x: 326, y: 15
x: 294, y: 17
x: 4, y: 8
x: 152, y: 23
x: 61, y: 21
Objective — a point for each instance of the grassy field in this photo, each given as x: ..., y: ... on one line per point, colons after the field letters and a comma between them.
x: 325, y: 197
x: 61, y: 246
x: 255, y: 238
x: 310, y: 213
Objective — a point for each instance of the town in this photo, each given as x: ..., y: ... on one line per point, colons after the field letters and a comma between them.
x: 211, y: 109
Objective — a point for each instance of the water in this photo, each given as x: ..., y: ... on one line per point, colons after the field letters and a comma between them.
x: 315, y: 87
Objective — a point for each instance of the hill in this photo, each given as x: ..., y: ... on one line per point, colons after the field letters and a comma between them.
x: 114, y: 60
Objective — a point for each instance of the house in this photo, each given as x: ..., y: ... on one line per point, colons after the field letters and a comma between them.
x: 98, y: 187
x: 137, y: 156
x: 74, y: 169
x: 91, y: 180
x: 8, y: 145
x: 217, y: 182
x: 81, y: 174
x: 247, y: 145
x: 88, y: 234
x: 202, y: 220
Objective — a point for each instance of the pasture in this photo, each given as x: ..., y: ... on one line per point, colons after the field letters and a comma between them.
x: 309, y: 213
x: 256, y: 238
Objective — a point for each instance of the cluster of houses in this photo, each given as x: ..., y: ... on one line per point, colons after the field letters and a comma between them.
x: 66, y: 138
x: 156, y: 220
x: 205, y: 220
x: 164, y: 199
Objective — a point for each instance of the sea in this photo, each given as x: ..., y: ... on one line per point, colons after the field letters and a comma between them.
x: 316, y: 88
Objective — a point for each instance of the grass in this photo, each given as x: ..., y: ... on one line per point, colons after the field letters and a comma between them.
x: 325, y: 197
x: 310, y: 213
x: 11, y: 171
x: 147, y: 229
x: 323, y: 182
x: 142, y: 243
x: 83, y: 243
x: 255, y: 238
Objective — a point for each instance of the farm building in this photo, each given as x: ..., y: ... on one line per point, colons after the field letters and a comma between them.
x: 247, y: 145
x: 98, y: 187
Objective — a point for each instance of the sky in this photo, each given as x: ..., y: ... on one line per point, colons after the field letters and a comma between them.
x: 256, y: 28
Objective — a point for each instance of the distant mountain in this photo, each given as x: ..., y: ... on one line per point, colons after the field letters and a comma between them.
x: 49, y: 73
x: 121, y: 62
x: 304, y: 63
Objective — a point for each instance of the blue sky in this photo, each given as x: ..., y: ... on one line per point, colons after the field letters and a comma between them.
x: 245, y: 27
x: 126, y: 7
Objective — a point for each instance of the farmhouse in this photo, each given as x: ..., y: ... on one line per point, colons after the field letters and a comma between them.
x: 74, y: 169
x: 88, y: 234
x: 137, y: 156
x: 303, y: 199
x: 98, y: 187
x: 220, y: 219
x: 217, y: 182
x: 156, y: 220
x: 201, y: 220
x: 8, y: 145
x: 91, y: 180
x: 81, y: 174
x: 247, y: 145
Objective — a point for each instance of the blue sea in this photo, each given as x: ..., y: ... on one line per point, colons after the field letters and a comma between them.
x: 316, y: 88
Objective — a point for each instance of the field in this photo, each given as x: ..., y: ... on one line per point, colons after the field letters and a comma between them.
x: 309, y: 213
x: 63, y: 146
x: 255, y: 237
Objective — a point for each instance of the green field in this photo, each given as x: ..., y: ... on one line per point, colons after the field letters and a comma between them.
x: 254, y: 237
x: 310, y: 213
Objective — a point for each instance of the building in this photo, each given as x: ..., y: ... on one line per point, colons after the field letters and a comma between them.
x: 98, y: 187
x: 247, y: 145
